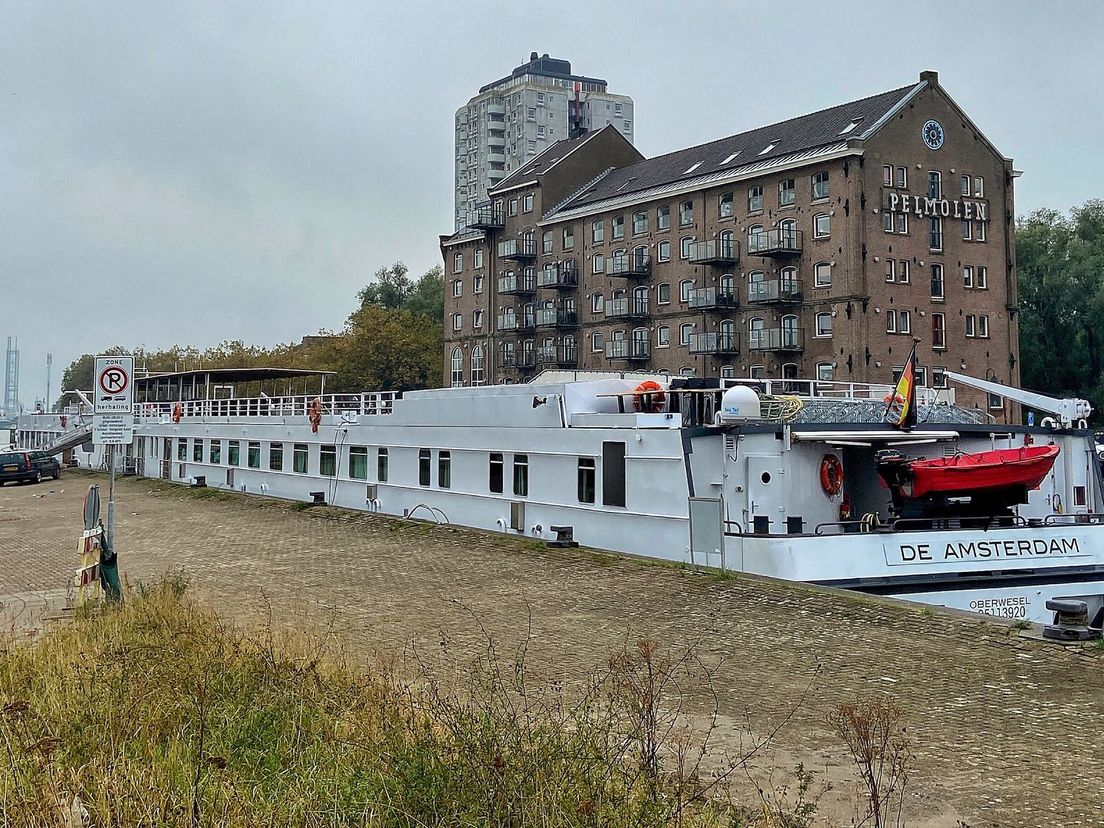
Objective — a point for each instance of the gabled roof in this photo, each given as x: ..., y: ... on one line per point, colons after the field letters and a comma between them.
x: 548, y: 159
x: 786, y: 138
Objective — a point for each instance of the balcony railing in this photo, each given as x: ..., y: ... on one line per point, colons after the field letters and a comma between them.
x: 561, y: 355
x: 509, y: 359
x: 715, y: 251
x: 507, y: 322
x: 518, y: 249
x: 630, y: 264
x: 525, y: 359
x: 714, y: 343
x: 516, y: 284
x: 778, y: 242
x: 487, y: 218
x: 777, y: 339
x: 712, y: 298
x: 557, y: 318
x: 633, y: 350
x: 561, y: 275
x: 775, y: 290
x: 634, y: 307
x: 527, y: 321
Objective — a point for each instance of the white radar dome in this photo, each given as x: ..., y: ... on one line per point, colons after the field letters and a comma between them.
x: 739, y: 404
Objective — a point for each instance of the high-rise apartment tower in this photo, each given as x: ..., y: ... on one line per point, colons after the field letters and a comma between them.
x: 517, y: 117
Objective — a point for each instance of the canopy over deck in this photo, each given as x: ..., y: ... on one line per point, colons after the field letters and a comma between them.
x: 220, y: 383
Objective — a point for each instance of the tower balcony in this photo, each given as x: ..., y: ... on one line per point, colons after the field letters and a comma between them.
x: 562, y: 275
x: 712, y: 298
x: 521, y: 250
x: 777, y: 339
x: 631, y: 265
x: 631, y: 350
x: 776, y: 243
x: 486, y: 218
x: 554, y: 317
x: 627, y: 307
x: 517, y: 284
x: 774, y: 290
x: 720, y: 343
x: 715, y: 252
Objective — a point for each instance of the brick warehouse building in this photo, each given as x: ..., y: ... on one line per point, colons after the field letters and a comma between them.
x: 816, y: 247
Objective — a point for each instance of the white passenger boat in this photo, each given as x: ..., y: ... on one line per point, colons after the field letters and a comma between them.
x: 781, y: 478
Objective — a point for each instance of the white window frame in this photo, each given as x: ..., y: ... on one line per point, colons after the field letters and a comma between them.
x: 904, y: 322
x: 597, y: 342
x: 685, y: 243
x: 827, y: 217
x: 938, y: 269
x: 663, y: 251
x: 820, y: 366
x: 598, y: 263
x: 983, y: 326
x: 725, y: 205
x: 970, y: 324
x: 663, y: 212
x: 458, y: 263
x: 685, y: 286
x: 597, y: 303
x: 891, y: 321
x: 940, y: 346
x: 659, y: 293
x: 598, y: 231
x: 825, y: 332
x: 982, y: 273
x: 663, y: 336
x: 822, y: 268
x: 968, y: 276
x: 457, y: 287
x: 816, y: 180
x: 791, y: 190
x: 686, y: 330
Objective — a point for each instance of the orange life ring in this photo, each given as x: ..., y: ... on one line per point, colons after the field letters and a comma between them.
x: 315, y: 415
x: 178, y: 412
x: 831, y: 475
x: 649, y: 397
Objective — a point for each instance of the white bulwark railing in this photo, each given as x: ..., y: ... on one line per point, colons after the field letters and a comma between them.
x: 376, y: 402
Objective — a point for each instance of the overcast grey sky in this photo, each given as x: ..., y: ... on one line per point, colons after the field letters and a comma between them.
x: 189, y: 172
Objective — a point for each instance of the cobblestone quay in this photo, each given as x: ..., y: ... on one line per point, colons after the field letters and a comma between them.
x: 1006, y: 731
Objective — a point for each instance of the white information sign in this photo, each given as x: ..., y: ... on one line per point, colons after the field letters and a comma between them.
x: 113, y: 385
x: 112, y: 429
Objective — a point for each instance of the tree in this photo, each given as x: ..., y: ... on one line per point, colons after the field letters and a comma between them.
x: 428, y: 295
x: 389, y: 290
x: 388, y: 350
x: 1060, y: 263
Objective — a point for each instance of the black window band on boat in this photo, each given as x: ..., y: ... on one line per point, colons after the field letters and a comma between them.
x: 381, y: 466
x: 494, y: 482
x: 425, y: 457
x: 586, y: 480
x: 521, y: 475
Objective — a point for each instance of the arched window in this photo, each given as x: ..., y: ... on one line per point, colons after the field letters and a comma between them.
x: 726, y: 286
x: 457, y: 367
x: 756, y: 239
x: 822, y: 274
x: 685, y: 332
x: 791, y: 334
x: 757, y: 335
x: 757, y: 371
x: 685, y: 243
x: 824, y: 324
x: 724, y: 244
x: 789, y: 281
x: 787, y: 233
x: 789, y: 370
x: 477, y: 365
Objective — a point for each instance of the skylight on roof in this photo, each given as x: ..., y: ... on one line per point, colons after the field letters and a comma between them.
x: 692, y: 168
x: 769, y: 147
x: 627, y: 183
x: 854, y: 123
x: 730, y: 157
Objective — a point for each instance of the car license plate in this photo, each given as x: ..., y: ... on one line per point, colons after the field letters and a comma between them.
x: 11, y: 468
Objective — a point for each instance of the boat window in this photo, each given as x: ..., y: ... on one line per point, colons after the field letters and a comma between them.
x: 197, y: 451
x: 586, y: 479
x: 424, y: 459
x: 381, y: 465
x: 495, y: 482
x: 521, y: 475
x: 276, y: 456
x: 299, y: 458
x: 327, y: 461
x: 216, y: 451
x: 234, y: 453
x: 254, y: 456
x: 613, y: 474
x: 182, y: 449
x: 444, y: 469
x: 358, y: 462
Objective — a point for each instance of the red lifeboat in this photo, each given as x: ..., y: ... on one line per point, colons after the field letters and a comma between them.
x: 1012, y: 468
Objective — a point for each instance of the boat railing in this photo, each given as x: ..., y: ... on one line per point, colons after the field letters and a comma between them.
x: 833, y: 388
x: 376, y: 402
x: 1073, y: 519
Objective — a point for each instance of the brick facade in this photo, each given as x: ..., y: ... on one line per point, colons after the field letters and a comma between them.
x: 783, y: 271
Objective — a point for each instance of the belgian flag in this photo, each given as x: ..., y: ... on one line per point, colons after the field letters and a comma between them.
x: 901, y: 404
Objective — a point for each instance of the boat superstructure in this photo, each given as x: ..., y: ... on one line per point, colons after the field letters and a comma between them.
x: 775, y: 477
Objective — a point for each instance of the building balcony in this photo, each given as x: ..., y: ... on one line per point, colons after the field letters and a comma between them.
x: 486, y: 218
x: 521, y: 250
x: 776, y: 243
x: 715, y: 251
x: 517, y: 284
x: 774, y: 290
x: 777, y: 339
x: 557, y: 318
x: 496, y: 109
x: 562, y: 356
x: 496, y: 139
x: 632, y: 350
x: 714, y: 343
x: 496, y: 158
x: 507, y: 322
x: 508, y: 359
x: 559, y: 275
x: 634, y: 307
x: 527, y: 321
x: 525, y: 360
x: 712, y: 298
x: 632, y: 265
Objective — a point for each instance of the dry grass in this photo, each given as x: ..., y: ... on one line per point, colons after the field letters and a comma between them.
x: 158, y: 713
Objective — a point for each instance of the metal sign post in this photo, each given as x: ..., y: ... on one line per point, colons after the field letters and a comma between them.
x: 113, y: 420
